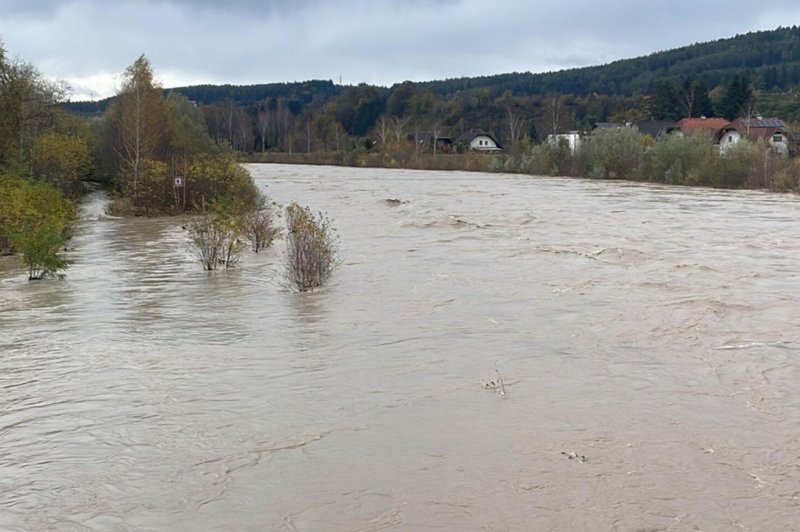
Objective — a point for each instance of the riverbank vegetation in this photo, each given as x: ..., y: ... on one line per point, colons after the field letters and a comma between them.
x: 156, y: 152
x: 672, y: 159
x: 34, y: 220
x: 150, y: 149
x: 43, y: 157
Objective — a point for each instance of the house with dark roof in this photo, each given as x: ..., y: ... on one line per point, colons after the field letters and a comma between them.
x: 654, y: 128
x: 479, y: 140
x: 432, y: 141
x: 771, y: 130
x: 610, y: 125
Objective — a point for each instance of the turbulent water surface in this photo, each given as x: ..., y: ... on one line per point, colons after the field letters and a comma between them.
x: 494, y: 352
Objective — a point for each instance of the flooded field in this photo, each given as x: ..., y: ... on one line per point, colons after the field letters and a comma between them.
x: 647, y: 339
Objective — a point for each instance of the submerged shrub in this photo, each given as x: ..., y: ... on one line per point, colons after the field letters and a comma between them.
x: 787, y: 178
x: 613, y: 154
x: 681, y: 160
x: 214, y: 241
x: 35, y: 221
x: 259, y: 225
x: 784, y: 181
x: 496, y: 165
x: 743, y: 166
x: 39, y: 247
x: 310, y: 248
x: 549, y: 158
x: 217, y: 237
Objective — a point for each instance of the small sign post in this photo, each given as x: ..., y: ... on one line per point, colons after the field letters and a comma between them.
x: 178, y: 182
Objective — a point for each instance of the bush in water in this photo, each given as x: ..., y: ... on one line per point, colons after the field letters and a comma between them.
x: 681, y: 160
x: 217, y: 237
x: 35, y: 220
x: 259, y: 225
x: 39, y: 247
x: 548, y: 159
x: 310, y: 248
x: 613, y: 153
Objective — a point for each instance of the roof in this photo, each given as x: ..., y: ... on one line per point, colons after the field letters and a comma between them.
x: 755, y: 128
x: 654, y: 128
x: 700, y: 124
x: 775, y: 123
x: 609, y: 125
x: 426, y: 137
x: 472, y: 134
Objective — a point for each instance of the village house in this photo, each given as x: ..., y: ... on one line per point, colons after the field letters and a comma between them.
x: 479, y: 140
x: 610, y: 125
x: 572, y: 139
x: 698, y: 126
x: 771, y: 130
x: 428, y: 140
x: 654, y: 128
x: 473, y: 140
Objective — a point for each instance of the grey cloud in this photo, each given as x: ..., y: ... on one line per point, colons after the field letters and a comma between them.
x: 378, y: 41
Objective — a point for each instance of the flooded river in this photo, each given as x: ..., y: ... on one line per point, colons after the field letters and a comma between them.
x: 647, y: 339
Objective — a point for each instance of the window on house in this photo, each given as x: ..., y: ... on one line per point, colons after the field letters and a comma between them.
x: 730, y: 138
x: 777, y: 138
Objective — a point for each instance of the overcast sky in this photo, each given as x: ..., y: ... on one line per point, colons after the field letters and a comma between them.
x: 88, y: 43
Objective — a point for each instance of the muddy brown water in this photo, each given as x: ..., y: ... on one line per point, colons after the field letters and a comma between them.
x: 654, y: 331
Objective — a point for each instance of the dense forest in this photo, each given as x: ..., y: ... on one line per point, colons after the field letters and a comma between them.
x: 772, y: 57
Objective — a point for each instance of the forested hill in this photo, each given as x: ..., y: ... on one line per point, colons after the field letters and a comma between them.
x: 771, y: 57
x: 302, y: 93
x: 306, y: 92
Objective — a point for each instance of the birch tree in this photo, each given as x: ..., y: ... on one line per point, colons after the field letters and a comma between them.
x: 515, y: 126
x: 264, y: 121
x: 137, y: 119
x: 382, y: 129
x: 553, y: 115
x: 399, y: 127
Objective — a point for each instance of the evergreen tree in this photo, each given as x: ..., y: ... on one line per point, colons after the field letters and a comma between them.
x: 693, y: 100
x: 736, y: 94
x: 702, y: 104
x: 664, y: 104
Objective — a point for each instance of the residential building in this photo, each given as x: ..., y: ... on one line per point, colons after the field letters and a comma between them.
x: 571, y: 139
x: 480, y: 140
x: 771, y: 130
x: 699, y: 126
